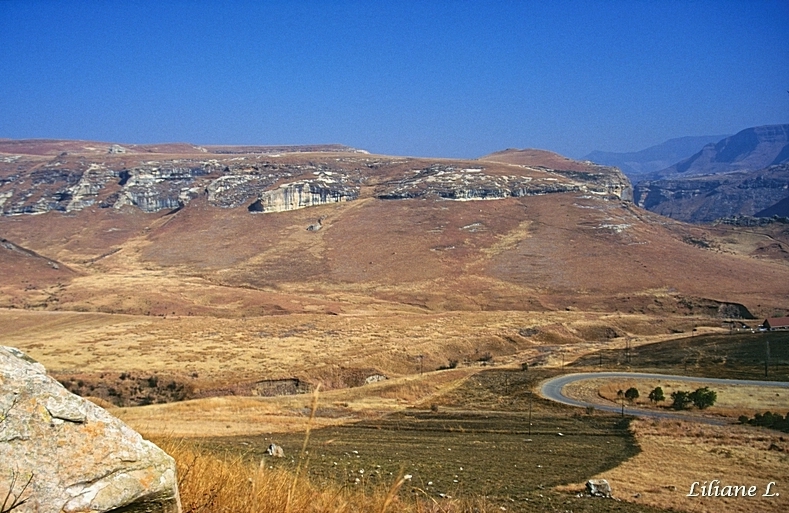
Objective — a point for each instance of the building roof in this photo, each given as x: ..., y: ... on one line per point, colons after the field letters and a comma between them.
x: 775, y: 322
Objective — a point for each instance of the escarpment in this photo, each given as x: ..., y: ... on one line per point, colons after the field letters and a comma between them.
x: 273, y: 182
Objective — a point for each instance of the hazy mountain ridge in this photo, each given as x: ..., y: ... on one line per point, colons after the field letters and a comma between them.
x: 639, y: 163
x: 742, y: 175
x: 748, y: 150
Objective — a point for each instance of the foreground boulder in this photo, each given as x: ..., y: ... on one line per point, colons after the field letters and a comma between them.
x: 598, y: 488
x: 59, y: 452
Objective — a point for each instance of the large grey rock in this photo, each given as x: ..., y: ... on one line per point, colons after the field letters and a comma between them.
x: 598, y: 488
x: 61, y: 453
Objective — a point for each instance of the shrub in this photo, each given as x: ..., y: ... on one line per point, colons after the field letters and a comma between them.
x: 657, y: 395
x: 703, y: 397
x: 681, y: 400
x: 631, y: 394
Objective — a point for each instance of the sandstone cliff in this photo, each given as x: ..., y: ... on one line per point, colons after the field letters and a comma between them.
x: 265, y: 182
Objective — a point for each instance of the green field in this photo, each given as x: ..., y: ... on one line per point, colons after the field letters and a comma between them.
x: 738, y: 356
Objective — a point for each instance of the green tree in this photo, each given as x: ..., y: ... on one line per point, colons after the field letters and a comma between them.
x: 681, y: 400
x: 657, y: 395
x: 703, y: 397
x: 631, y: 394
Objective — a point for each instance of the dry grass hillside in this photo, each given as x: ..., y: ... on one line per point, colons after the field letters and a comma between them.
x: 385, y: 285
x: 424, y: 272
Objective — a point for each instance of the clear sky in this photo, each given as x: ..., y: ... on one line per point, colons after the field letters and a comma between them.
x: 426, y: 78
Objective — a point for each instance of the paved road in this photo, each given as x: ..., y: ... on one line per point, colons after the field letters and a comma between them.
x: 552, y: 389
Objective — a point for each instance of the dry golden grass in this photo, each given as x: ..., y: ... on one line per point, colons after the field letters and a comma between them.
x: 229, y: 416
x: 212, y: 484
x: 302, y: 345
x: 676, y: 454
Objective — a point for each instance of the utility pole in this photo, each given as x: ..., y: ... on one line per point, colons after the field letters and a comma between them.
x: 766, y: 354
x: 627, y: 353
x: 530, y: 397
x: 421, y: 359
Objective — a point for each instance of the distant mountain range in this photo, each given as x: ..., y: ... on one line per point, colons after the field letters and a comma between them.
x: 636, y: 164
x: 743, y: 174
x: 749, y: 150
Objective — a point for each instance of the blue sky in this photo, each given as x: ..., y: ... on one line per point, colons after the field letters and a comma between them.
x: 441, y: 79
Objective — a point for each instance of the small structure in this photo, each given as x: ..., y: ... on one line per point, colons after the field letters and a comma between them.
x: 776, y: 323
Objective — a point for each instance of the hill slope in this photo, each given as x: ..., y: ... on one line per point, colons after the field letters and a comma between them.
x: 256, y: 234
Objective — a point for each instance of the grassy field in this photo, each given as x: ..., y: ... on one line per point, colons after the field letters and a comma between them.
x: 472, y: 442
x: 737, y: 356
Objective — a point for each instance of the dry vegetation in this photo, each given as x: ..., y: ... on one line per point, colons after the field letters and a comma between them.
x: 676, y: 454
x: 229, y: 416
x: 215, y: 484
x: 315, y: 346
x: 214, y: 301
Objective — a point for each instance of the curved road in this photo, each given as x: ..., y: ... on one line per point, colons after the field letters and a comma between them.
x: 552, y: 389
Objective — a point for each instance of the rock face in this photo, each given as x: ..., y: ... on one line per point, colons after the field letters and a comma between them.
x: 265, y: 182
x: 308, y: 193
x: 704, y: 199
x: 61, y: 453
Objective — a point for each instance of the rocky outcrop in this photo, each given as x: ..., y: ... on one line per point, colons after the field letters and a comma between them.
x: 307, y: 193
x: 274, y: 183
x: 464, y: 184
x: 61, y: 453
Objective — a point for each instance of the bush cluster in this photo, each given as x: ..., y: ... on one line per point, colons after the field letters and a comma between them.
x: 701, y: 398
x: 769, y: 420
